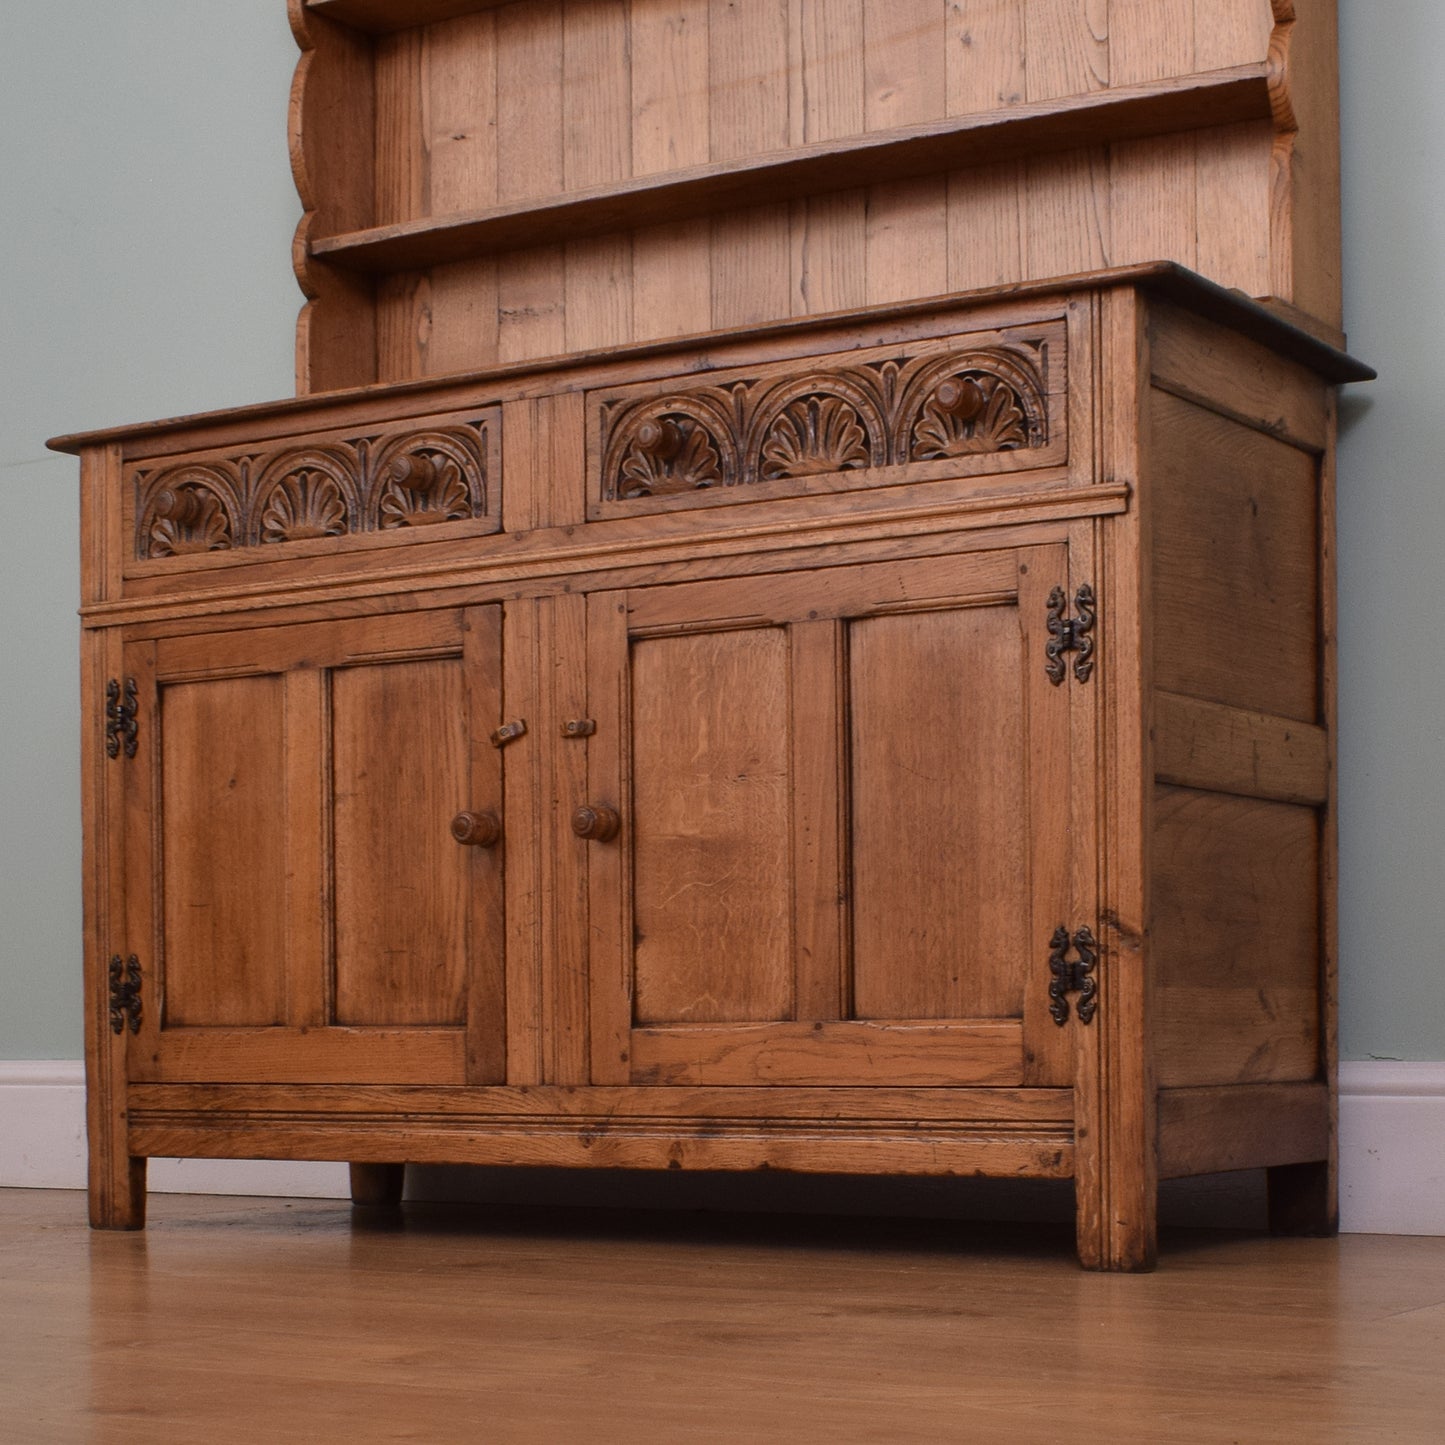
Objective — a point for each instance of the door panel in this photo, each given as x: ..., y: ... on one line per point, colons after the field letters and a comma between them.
x: 224, y: 775
x: 936, y: 706
x: 711, y: 823
x: 399, y: 771
x: 841, y: 794
x: 303, y: 909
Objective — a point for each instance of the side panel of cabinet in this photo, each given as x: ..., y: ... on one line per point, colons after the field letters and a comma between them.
x: 843, y: 798
x: 300, y: 905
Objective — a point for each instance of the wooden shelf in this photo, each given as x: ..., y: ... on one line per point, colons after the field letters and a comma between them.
x: 1216, y: 98
x: 383, y: 16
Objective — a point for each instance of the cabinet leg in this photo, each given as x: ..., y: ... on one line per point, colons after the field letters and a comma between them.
x: 117, y: 1193
x: 1303, y: 1199
x: 377, y: 1186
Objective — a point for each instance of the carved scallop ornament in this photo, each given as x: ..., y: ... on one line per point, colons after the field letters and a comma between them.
x: 888, y: 412
x: 311, y: 491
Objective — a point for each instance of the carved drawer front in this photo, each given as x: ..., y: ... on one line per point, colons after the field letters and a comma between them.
x: 974, y: 405
x: 317, y: 492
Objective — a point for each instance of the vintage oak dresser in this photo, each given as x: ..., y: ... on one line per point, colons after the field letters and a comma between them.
x: 727, y: 664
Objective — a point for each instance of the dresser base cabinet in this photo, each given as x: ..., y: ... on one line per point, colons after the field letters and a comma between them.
x: 893, y: 744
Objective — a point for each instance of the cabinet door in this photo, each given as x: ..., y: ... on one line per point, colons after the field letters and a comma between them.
x: 848, y: 825
x: 301, y: 907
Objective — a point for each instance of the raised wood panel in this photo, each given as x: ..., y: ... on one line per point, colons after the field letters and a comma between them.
x: 1236, y: 563
x: 225, y: 842
x: 401, y: 879
x: 712, y: 826
x: 1235, y: 939
x: 940, y: 879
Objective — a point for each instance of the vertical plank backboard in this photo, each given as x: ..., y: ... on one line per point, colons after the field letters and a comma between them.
x: 906, y: 84
x: 530, y: 284
x: 1067, y: 42
x: 984, y: 53
x: 671, y: 264
x: 596, y: 150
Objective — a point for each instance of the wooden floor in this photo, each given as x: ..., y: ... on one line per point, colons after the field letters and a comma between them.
x: 262, y: 1321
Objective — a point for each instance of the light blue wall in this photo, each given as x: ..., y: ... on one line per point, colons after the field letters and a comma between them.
x: 146, y: 211
x: 1392, y: 534
x: 144, y: 271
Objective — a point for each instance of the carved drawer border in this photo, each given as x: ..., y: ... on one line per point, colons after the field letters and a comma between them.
x: 425, y: 477
x: 976, y: 404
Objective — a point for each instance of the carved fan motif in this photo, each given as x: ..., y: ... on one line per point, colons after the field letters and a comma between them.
x: 888, y: 411
x: 670, y: 453
x: 970, y: 414
x: 815, y: 434
x: 186, y: 520
x: 424, y: 487
x: 302, y: 506
x: 326, y: 488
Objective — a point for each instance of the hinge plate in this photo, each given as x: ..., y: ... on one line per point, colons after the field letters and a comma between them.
x: 125, y: 1005
x: 1070, y: 634
x: 1073, y: 977
x: 121, y: 728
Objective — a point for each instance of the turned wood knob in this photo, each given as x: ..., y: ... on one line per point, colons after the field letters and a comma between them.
x: 416, y: 474
x: 963, y: 397
x: 660, y: 437
x: 477, y: 830
x: 597, y: 822
x: 178, y: 505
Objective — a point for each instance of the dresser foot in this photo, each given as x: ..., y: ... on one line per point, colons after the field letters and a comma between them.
x: 1303, y: 1199
x: 377, y: 1186
x: 118, y: 1193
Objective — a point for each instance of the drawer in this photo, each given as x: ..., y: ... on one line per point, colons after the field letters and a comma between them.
x: 982, y: 404
x: 398, y: 483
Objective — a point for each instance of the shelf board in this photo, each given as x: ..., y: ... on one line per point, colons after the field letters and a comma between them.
x: 383, y: 16
x: 1220, y: 97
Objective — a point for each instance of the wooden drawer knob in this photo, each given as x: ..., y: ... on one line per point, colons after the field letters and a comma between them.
x: 477, y: 830
x: 597, y: 822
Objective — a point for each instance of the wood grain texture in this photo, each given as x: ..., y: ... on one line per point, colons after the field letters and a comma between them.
x: 840, y: 700
x: 331, y: 125
x: 1236, y: 615
x: 1205, y: 745
x: 940, y: 821
x: 402, y: 882
x: 1235, y: 377
x: 222, y: 803
x: 1212, y: 1130
x: 1236, y: 941
x: 711, y: 827
x: 862, y: 1052
x: 739, y: 178
x: 846, y: 1330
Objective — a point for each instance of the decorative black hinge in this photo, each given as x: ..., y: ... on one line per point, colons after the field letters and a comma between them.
x: 1077, y: 977
x: 124, y: 994
x: 1070, y: 634
x: 120, y: 724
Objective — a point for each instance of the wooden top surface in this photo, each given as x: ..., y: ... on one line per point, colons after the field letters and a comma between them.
x: 1164, y: 280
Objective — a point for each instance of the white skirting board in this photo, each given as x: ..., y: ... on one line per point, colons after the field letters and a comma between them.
x: 1392, y: 1147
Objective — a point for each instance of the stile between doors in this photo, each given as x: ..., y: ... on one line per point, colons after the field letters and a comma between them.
x: 847, y: 826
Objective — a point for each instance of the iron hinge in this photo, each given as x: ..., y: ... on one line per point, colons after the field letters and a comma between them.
x: 121, y: 706
x: 1071, y: 634
x: 125, y: 1006
x: 1073, y: 977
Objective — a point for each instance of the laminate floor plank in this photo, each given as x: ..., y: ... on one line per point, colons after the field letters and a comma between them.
x: 244, y: 1320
